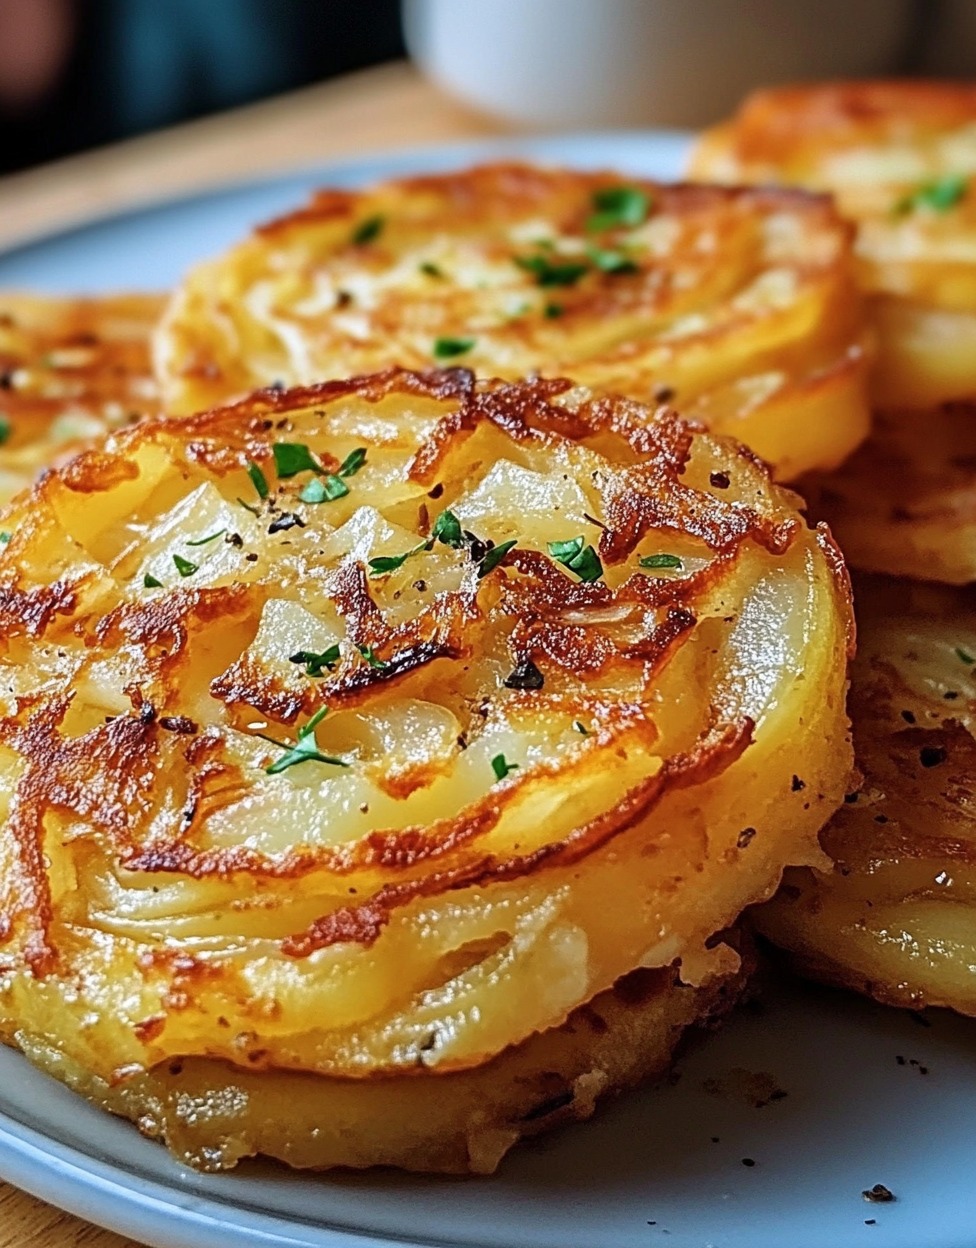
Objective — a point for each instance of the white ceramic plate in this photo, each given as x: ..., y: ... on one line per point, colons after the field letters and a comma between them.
x: 661, y: 1167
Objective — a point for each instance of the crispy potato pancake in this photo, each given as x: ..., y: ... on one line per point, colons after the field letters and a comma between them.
x: 70, y: 371
x: 739, y: 305
x: 571, y: 652
x: 896, y: 918
x: 212, y: 1114
x: 905, y: 502
x: 899, y: 157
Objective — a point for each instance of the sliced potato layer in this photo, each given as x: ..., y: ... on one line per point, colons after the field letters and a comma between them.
x: 371, y: 728
x: 739, y: 305
x: 212, y: 1114
x: 896, y: 917
x: 900, y: 158
x: 70, y: 371
x: 905, y: 502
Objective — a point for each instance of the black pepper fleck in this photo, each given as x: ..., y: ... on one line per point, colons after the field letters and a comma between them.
x: 932, y: 755
x: 879, y: 1194
x: 720, y: 480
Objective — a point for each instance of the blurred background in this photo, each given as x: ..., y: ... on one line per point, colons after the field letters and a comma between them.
x: 76, y: 74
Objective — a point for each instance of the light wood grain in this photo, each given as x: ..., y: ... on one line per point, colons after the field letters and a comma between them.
x: 376, y: 110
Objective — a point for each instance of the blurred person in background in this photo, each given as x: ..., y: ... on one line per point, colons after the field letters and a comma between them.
x: 78, y: 73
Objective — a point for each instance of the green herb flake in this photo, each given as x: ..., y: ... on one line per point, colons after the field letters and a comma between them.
x: 965, y: 656
x: 305, y: 749
x: 661, y: 561
x: 447, y: 529
x: 324, y: 489
x: 939, y: 195
x: 448, y: 348
x: 369, y: 654
x: 368, y: 230
x: 493, y: 558
x: 150, y: 582
x: 429, y: 269
x: 549, y: 272
x: 581, y: 559
x: 184, y: 566
x: 294, y: 457
x: 552, y: 310
x: 4, y: 538
x: 211, y: 537
x: 353, y: 462
x: 247, y: 507
x: 6, y: 428
x: 611, y: 262
x: 619, y: 207
x: 258, y: 479
x: 313, y: 662
x: 501, y: 767
x: 383, y: 565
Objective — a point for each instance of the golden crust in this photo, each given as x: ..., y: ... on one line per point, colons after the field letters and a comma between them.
x: 212, y: 1115
x: 905, y: 503
x: 175, y: 603
x: 739, y: 305
x: 899, y: 157
x: 71, y: 370
x: 895, y: 917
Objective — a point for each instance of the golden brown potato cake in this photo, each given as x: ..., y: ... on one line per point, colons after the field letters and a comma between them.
x: 738, y: 305
x: 905, y: 502
x: 70, y: 371
x: 574, y: 655
x: 895, y: 918
x: 899, y: 157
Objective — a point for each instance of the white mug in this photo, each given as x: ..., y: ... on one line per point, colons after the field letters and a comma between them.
x: 554, y: 63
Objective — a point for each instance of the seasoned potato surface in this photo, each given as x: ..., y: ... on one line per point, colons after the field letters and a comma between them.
x: 905, y: 502
x: 70, y: 371
x: 896, y: 916
x: 738, y: 305
x: 370, y: 729
x: 900, y: 158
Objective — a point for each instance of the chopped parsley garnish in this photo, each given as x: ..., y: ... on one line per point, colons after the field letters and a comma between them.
x: 619, y: 207
x: 501, y: 767
x: 383, y: 565
x: 353, y: 462
x: 4, y: 538
x: 939, y: 195
x: 448, y: 348
x: 369, y: 229
x: 579, y: 558
x: 305, y: 749
x: 612, y: 262
x: 550, y: 272
x: 324, y: 489
x: 211, y: 537
x: 369, y: 654
x: 661, y: 561
x: 430, y: 269
x: 493, y: 558
x: 552, y: 310
x: 581, y: 728
x: 150, y: 582
x: 294, y: 457
x: 259, y: 480
x: 184, y: 566
x: 5, y: 429
x: 965, y: 656
x: 313, y: 662
x: 447, y: 529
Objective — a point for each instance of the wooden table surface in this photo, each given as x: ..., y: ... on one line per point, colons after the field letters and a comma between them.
x: 374, y: 110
